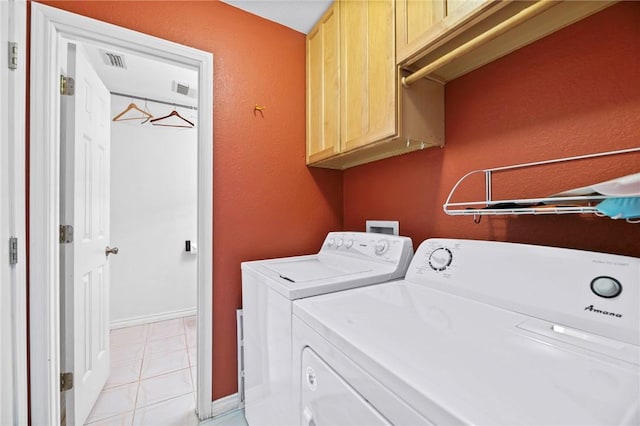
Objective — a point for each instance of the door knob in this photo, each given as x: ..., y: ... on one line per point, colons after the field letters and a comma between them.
x: 110, y: 250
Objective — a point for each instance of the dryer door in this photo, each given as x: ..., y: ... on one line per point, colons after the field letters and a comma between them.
x: 327, y: 399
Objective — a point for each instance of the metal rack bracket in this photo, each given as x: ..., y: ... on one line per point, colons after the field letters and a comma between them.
x: 482, y: 208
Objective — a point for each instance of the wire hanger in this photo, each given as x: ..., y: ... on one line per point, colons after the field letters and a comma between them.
x: 188, y: 124
x: 146, y: 109
x: 133, y: 107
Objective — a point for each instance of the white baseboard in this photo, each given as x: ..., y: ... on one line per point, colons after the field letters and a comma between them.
x: 225, y: 405
x: 145, y: 319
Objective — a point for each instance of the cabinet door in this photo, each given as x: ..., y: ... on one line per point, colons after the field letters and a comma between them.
x: 368, y: 92
x: 323, y: 87
x: 458, y: 10
x: 415, y: 19
x: 422, y: 23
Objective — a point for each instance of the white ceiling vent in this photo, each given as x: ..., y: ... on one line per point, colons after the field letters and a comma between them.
x: 114, y: 59
x: 181, y: 88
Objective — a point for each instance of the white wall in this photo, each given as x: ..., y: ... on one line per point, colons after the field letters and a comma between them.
x: 153, y: 212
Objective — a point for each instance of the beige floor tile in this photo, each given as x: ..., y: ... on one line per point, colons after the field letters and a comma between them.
x: 194, y: 378
x: 166, y: 363
x: 120, y: 420
x: 123, y: 373
x: 193, y: 356
x: 128, y: 336
x: 162, y: 329
x: 192, y: 338
x: 161, y: 388
x: 167, y: 344
x: 177, y: 411
x: 127, y: 353
x: 114, y: 401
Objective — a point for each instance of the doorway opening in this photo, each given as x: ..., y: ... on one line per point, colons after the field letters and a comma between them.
x: 52, y: 31
x: 149, y: 194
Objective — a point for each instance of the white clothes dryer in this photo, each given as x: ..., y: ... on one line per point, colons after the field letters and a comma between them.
x: 478, y: 332
x: 346, y: 260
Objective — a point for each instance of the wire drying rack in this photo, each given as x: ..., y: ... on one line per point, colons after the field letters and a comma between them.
x: 535, y: 206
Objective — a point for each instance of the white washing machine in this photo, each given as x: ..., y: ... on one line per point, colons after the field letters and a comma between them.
x: 478, y: 332
x: 345, y: 260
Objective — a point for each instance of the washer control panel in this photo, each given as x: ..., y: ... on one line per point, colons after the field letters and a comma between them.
x: 388, y: 248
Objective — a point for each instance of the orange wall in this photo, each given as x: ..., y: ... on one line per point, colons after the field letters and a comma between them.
x: 267, y: 203
x: 574, y: 92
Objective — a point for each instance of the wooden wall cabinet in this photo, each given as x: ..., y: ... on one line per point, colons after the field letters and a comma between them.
x: 431, y: 30
x: 357, y: 111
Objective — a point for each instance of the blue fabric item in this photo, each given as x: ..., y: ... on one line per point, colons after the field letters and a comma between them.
x: 620, y: 207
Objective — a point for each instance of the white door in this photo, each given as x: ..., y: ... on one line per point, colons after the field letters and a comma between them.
x: 85, y: 143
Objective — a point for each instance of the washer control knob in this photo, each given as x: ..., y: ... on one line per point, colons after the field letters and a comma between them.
x: 349, y: 244
x: 606, y: 287
x: 381, y: 247
x: 340, y: 242
x: 331, y: 242
x: 440, y: 259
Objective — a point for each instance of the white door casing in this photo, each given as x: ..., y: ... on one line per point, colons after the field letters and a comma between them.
x: 84, y: 200
x: 48, y: 27
x: 13, y: 299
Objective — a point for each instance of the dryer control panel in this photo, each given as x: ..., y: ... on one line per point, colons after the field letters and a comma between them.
x: 588, y: 291
x: 380, y: 247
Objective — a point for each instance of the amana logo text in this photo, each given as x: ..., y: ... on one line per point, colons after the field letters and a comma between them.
x: 598, y: 311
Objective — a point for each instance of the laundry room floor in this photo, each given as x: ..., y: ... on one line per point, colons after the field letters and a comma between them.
x: 153, y: 376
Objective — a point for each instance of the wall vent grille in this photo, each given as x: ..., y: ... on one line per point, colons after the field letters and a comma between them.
x: 183, y: 89
x: 115, y: 60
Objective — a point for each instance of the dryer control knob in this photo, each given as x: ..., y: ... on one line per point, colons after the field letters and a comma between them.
x: 340, y: 242
x: 606, y: 287
x: 349, y: 244
x: 440, y: 259
x: 331, y: 242
x: 381, y: 247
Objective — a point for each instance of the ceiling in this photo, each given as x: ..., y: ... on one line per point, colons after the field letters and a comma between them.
x: 147, y: 78
x: 144, y: 77
x: 301, y: 15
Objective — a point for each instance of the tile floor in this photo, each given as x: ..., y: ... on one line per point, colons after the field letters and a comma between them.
x: 153, y: 376
x: 234, y: 418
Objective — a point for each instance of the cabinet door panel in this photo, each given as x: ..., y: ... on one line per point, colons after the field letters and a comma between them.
x: 461, y: 8
x: 421, y: 15
x: 355, y: 105
x: 323, y: 88
x: 368, y: 66
x: 382, y: 81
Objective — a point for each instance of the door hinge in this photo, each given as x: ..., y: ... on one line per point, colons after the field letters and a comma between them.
x: 66, y: 85
x: 66, y: 381
x: 66, y: 234
x: 13, y: 251
x: 13, y: 55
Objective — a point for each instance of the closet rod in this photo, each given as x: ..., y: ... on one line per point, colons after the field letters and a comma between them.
x: 481, y: 39
x: 154, y: 100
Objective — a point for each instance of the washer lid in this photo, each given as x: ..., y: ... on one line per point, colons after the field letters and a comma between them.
x: 478, y: 363
x: 314, y: 269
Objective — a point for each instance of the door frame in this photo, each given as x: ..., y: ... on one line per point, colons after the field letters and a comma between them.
x: 13, y: 277
x: 48, y: 27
